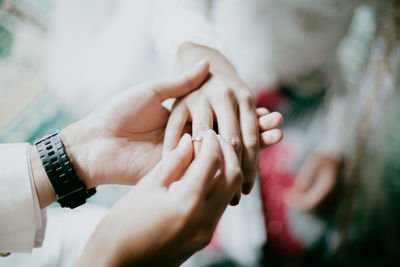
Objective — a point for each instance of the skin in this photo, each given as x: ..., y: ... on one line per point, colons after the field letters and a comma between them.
x: 225, y: 99
x: 169, y: 226
x: 316, y: 180
x: 123, y: 140
x: 121, y: 143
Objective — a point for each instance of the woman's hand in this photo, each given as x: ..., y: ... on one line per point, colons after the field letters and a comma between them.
x: 122, y: 141
x: 224, y: 99
x: 155, y: 226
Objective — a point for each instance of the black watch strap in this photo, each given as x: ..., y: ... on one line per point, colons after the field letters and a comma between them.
x: 70, y: 191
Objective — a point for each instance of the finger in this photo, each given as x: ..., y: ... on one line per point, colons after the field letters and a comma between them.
x: 228, y: 124
x: 229, y: 129
x: 271, y: 137
x: 270, y: 121
x: 306, y: 175
x: 250, y: 139
x: 176, y: 162
x: 323, y: 186
x: 228, y: 183
x: 202, y: 120
x: 201, y: 172
x: 184, y: 83
x: 262, y: 111
x: 175, y: 127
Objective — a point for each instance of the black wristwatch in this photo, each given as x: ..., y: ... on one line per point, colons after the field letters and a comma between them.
x: 70, y: 191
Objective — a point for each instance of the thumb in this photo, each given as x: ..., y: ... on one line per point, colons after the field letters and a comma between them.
x: 184, y: 83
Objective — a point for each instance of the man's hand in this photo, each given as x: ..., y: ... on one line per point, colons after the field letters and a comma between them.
x: 155, y: 226
x: 122, y: 141
x: 224, y: 99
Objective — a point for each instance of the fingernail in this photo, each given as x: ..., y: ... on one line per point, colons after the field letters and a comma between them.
x: 246, y: 188
x: 202, y: 62
x: 184, y: 140
x: 199, y: 65
x: 234, y: 201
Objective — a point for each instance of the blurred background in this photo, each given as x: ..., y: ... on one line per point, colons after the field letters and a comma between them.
x: 326, y: 195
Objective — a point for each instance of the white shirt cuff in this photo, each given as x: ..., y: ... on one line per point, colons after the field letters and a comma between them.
x: 20, y: 216
x: 40, y: 215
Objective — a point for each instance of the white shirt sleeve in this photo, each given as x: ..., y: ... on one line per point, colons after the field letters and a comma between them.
x: 21, y: 221
x: 176, y: 22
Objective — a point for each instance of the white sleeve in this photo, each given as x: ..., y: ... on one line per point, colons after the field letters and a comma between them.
x: 178, y: 21
x: 21, y: 227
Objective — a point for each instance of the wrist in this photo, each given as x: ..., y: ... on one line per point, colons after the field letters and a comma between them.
x: 44, y: 189
x: 190, y: 54
x: 75, y: 146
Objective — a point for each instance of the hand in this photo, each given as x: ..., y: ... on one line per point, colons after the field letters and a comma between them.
x: 122, y: 141
x: 155, y: 226
x: 316, y: 180
x: 223, y: 98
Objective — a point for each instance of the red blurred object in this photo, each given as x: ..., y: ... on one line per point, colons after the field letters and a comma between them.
x: 272, y: 99
x: 275, y: 177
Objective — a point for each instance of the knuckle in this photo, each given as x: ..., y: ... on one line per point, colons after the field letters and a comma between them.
x: 246, y: 98
x: 224, y: 91
x: 251, y: 141
x: 204, y: 235
x: 228, y: 93
x: 206, y: 239
x: 201, y: 127
x: 235, y: 142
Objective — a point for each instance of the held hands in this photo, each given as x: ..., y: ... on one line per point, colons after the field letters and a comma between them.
x: 224, y: 99
x: 122, y: 141
x: 153, y: 226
